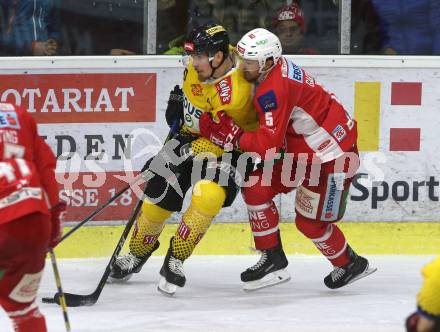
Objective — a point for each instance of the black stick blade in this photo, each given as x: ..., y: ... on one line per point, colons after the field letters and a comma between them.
x: 73, y: 300
x: 48, y: 300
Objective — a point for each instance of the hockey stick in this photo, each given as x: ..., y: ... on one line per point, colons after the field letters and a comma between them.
x: 75, y: 300
x: 62, y: 298
x: 95, y: 213
x: 173, y: 129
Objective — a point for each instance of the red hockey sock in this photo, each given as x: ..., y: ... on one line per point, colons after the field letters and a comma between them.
x: 328, y: 238
x: 32, y: 321
x: 264, y: 221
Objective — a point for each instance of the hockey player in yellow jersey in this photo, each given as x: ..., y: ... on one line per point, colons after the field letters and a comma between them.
x: 427, y: 316
x: 211, y: 83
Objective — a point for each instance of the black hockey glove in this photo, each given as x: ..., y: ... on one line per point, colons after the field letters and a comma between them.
x: 175, y: 106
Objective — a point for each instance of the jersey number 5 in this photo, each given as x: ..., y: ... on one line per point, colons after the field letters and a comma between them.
x: 269, y: 119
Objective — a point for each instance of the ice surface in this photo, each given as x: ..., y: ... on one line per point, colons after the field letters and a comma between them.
x: 213, y: 299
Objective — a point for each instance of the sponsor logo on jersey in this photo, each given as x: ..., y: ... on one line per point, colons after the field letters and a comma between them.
x: 191, y: 114
x: 9, y: 120
x: 251, y: 36
x: 323, y: 145
x: 295, y: 73
x: 224, y: 89
x: 21, y: 195
x: 268, y: 101
x: 197, y: 90
x: 332, y: 201
x: 310, y: 81
x: 339, y: 133
x: 306, y: 202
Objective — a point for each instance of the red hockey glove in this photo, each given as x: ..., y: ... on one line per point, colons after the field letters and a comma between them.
x: 225, y: 133
x: 57, y: 223
x: 411, y: 322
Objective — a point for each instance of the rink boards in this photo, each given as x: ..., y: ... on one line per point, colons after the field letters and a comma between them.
x: 235, y: 239
x: 106, y: 115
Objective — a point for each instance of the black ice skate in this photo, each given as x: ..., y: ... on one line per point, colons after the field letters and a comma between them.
x: 172, y: 273
x: 357, y: 268
x: 268, y: 271
x: 124, y: 266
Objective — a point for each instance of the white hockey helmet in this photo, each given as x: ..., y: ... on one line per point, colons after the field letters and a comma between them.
x: 260, y: 44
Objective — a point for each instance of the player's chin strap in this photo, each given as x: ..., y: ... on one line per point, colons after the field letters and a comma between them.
x: 264, y: 73
x: 213, y: 69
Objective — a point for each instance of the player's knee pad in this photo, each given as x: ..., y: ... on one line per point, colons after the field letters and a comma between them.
x: 208, y: 197
x: 257, y: 194
x: 154, y: 213
x: 309, y: 227
x: 207, y: 200
x: 148, y: 227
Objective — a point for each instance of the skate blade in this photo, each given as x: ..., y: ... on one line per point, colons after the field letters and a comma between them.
x: 166, y: 288
x: 271, y: 279
x: 112, y: 280
x: 364, y: 274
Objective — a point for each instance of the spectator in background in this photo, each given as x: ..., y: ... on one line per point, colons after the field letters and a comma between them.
x: 172, y: 19
x: 30, y: 27
x: 366, y: 35
x: 410, y: 27
x: 289, y: 25
x: 103, y: 27
x: 427, y: 316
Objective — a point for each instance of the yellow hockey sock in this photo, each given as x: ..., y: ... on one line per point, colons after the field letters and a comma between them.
x: 148, y: 227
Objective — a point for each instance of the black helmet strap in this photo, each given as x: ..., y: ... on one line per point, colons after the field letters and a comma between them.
x: 213, y: 69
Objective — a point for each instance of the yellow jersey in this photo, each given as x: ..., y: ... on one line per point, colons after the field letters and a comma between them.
x: 428, y: 298
x: 230, y: 93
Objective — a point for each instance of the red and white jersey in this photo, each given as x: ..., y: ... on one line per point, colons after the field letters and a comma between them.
x: 299, y: 116
x: 27, y: 166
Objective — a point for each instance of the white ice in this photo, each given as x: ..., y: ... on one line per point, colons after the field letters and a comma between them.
x: 213, y: 300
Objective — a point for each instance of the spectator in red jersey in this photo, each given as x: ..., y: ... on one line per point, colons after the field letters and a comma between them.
x: 289, y: 25
x: 30, y: 213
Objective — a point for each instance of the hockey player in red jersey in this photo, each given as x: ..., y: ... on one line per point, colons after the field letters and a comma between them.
x: 306, y: 133
x: 29, y: 215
